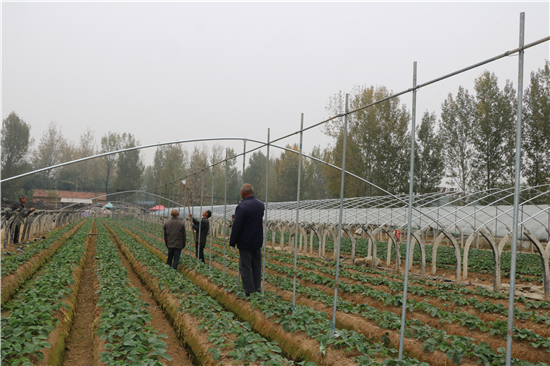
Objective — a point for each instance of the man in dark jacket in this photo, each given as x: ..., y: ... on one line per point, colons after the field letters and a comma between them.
x: 247, y: 235
x: 20, y: 206
x: 174, y: 238
x: 203, y: 226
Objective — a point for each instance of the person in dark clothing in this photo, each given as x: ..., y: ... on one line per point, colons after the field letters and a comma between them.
x: 174, y: 238
x: 247, y: 235
x: 203, y: 226
x: 20, y: 206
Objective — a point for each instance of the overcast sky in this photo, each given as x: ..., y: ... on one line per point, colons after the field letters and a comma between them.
x: 178, y: 70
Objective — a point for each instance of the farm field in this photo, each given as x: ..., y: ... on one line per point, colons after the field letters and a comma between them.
x: 403, y: 212
x: 465, y: 320
x: 102, y: 294
x: 480, y: 266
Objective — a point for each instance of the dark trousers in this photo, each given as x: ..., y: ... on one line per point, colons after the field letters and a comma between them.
x: 16, y: 232
x: 173, y: 257
x: 250, y: 268
x: 199, y: 251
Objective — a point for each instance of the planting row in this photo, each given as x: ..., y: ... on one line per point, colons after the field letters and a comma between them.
x: 455, y: 346
x: 123, y: 321
x: 12, y: 261
x: 415, y: 304
x: 358, y: 283
x: 466, y: 320
x: 45, y: 304
x: 480, y: 261
x: 18, y: 269
x: 273, y: 311
x: 213, y: 334
x: 444, y: 288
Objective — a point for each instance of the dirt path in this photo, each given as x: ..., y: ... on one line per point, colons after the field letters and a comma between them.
x: 159, y: 322
x: 79, y: 347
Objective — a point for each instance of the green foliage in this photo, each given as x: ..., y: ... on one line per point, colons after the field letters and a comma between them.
x: 378, y: 143
x: 314, y: 323
x: 537, y: 128
x: 457, y: 123
x: 429, y: 166
x: 495, y: 120
x: 16, y: 144
x: 129, y: 164
x: 125, y: 320
x: 255, y: 173
x: 219, y: 324
x: 26, y: 328
x: 11, y: 263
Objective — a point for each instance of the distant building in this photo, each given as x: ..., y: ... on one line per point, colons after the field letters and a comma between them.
x: 448, y: 186
x: 56, y: 198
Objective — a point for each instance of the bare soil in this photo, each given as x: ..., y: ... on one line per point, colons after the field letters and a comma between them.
x: 79, y: 347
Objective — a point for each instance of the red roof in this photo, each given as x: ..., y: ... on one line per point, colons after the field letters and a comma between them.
x: 157, y: 207
x: 47, y: 193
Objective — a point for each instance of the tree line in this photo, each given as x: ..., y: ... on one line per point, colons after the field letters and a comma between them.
x: 470, y: 145
x: 106, y: 174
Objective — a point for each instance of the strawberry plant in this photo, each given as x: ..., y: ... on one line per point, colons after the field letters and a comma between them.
x: 125, y: 322
x: 10, y: 263
x: 220, y: 324
x: 35, y: 311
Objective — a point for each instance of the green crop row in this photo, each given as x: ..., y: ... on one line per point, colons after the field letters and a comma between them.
x: 444, y: 291
x: 463, y: 318
x: 497, y: 327
x: 221, y: 325
x: 124, y: 324
x: 456, y: 347
x: 396, y: 286
x: 314, y: 323
x: 10, y: 263
x: 481, y: 261
x: 34, y: 312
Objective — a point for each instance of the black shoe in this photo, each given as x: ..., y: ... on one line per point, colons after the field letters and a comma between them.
x: 247, y: 294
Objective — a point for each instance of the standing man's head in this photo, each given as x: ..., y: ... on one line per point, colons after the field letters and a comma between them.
x: 175, y: 212
x: 23, y: 198
x: 246, y: 190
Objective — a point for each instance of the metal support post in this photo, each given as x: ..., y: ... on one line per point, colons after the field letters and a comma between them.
x: 516, y: 194
x: 342, y: 179
x: 198, y: 248
x: 475, y: 227
x: 297, y: 214
x: 266, y: 211
x: 496, y: 222
x: 521, y: 231
x: 187, y: 201
x: 212, y: 211
x: 244, y: 158
x: 409, y: 218
x: 225, y: 211
x: 192, y: 214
